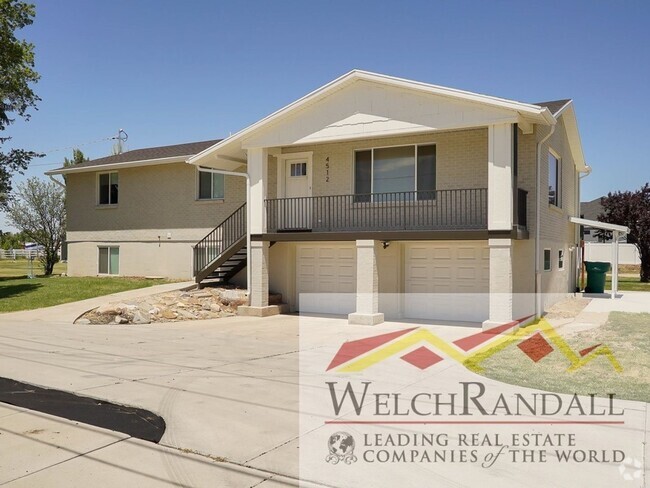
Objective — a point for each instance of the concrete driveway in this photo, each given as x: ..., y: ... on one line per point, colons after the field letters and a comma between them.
x: 227, y: 388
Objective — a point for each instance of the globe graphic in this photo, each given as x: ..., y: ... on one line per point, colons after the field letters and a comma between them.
x: 341, y: 444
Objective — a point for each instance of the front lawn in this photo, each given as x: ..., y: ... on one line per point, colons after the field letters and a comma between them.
x: 17, y: 292
x: 626, y: 334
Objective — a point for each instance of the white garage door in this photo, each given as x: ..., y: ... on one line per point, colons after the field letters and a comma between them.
x: 446, y: 281
x: 326, y: 268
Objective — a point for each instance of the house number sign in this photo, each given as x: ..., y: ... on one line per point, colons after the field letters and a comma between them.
x: 327, y: 169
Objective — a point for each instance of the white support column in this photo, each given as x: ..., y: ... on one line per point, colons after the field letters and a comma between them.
x: 500, y: 174
x: 257, y: 171
x: 367, y: 312
x: 258, y: 287
x: 501, y: 291
x: 614, y: 263
x: 258, y: 290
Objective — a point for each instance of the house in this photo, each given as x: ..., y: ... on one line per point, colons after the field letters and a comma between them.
x: 377, y: 190
x: 591, y: 210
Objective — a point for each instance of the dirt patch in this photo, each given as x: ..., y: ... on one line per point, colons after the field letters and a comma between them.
x: 568, y: 308
x: 176, y: 306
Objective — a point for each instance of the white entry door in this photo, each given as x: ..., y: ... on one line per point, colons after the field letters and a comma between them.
x: 295, y: 213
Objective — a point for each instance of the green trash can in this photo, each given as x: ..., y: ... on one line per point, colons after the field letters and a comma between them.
x: 596, y: 275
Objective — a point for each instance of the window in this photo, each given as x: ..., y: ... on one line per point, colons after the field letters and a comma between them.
x: 108, y: 188
x: 109, y: 260
x: 396, y: 170
x: 554, y: 180
x: 547, y: 260
x: 560, y: 259
x: 298, y: 169
x: 211, y: 185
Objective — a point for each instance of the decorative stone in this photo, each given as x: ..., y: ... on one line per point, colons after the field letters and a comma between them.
x: 140, y: 318
x: 121, y: 320
x: 83, y: 322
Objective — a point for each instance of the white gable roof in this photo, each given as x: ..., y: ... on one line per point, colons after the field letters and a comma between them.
x: 362, y: 104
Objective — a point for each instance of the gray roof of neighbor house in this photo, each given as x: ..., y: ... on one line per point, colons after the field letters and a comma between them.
x: 554, y: 105
x: 149, y: 153
x: 591, y: 210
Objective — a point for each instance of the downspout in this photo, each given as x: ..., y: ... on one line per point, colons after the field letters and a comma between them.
x: 538, y: 224
x: 248, y: 218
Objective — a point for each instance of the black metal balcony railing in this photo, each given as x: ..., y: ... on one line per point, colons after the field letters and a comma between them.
x: 464, y: 209
x: 220, y: 240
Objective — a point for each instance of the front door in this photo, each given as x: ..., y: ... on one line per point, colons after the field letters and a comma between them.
x: 295, y: 212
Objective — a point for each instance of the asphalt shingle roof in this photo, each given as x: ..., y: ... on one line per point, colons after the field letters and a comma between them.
x: 187, y: 149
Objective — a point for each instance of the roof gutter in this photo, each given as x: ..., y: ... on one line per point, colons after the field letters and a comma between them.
x: 62, y: 185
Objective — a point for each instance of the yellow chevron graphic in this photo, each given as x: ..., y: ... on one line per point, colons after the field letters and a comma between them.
x: 473, y: 360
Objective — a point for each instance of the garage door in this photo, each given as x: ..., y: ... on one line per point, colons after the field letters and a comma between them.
x: 326, y: 268
x: 447, y: 281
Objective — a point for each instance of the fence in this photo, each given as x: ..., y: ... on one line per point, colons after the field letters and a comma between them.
x: 20, y: 253
x: 602, y: 251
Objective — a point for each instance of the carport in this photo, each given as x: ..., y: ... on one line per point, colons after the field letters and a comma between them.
x: 617, y: 231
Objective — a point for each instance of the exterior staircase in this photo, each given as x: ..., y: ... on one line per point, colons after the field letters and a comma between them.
x: 221, y: 254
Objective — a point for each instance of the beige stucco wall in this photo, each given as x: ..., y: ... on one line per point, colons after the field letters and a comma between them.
x: 461, y: 160
x: 155, y: 223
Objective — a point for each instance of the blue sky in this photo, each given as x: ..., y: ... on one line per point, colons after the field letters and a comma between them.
x: 170, y: 72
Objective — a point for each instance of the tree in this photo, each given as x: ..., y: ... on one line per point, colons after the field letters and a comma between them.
x: 632, y: 208
x: 16, y: 95
x: 12, y: 241
x: 77, y: 157
x: 39, y: 211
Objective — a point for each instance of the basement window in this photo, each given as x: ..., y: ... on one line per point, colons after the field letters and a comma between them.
x: 211, y: 185
x: 547, y: 260
x: 109, y: 260
x: 107, y: 186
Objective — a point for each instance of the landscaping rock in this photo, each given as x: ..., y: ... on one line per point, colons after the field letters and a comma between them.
x: 121, y: 320
x: 83, y: 322
x: 140, y: 318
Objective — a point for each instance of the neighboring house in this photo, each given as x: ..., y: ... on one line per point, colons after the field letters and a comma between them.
x: 591, y: 210
x: 372, y: 188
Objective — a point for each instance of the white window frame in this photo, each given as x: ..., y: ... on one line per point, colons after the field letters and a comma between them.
x: 98, y: 191
x: 372, y: 164
x: 119, y: 260
x: 198, y: 198
x: 550, y: 259
x: 560, y: 259
x: 558, y: 190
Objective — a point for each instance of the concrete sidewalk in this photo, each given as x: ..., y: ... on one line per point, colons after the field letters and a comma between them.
x: 228, y: 390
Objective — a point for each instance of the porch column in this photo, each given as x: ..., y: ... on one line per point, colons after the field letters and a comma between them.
x: 500, y: 177
x: 367, y: 300
x: 258, y: 290
x: 500, y: 293
x: 615, y: 236
x: 257, y: 172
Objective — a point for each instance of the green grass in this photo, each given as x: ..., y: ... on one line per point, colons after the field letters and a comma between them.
x: 627, y: 335
x: 627, y: 283
x: 17, y: 292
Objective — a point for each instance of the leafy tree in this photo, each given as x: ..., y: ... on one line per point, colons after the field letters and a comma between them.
x: 39, y: 212
x: 632, y: 208
x: 77, y: 157
x: 16, y: 95
x: 11, y: 240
